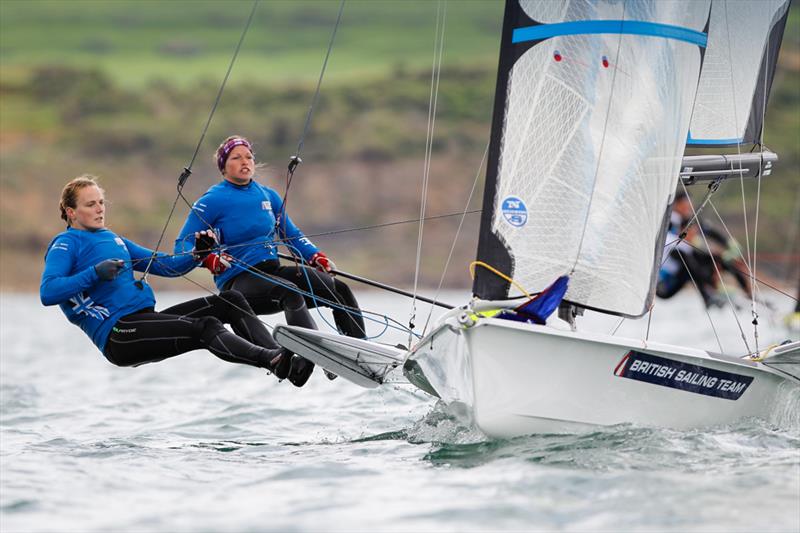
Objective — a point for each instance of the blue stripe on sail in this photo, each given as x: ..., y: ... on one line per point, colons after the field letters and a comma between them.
x: 631, y: 27
x: 690, y: 140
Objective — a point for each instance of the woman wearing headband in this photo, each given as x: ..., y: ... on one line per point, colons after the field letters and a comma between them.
x: 89, y: 274
x: 250, y: 221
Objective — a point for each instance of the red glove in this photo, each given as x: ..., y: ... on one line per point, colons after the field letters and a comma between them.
x: 321, y: 262
x: 217, y: 264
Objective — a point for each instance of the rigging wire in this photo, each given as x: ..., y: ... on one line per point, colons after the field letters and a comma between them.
x: 295, y: 253
x: 455, y: 238
x: 750, y: 260
x: 754, y: 310
x: 334, y: 232
x: 719, y: 276
x: 395, y: 223
x: 187, y: 171
x: 438, y: 48
x: 295, y: 160
x: 309, y: 294
x: 649, y: 320
x: 710, y: 320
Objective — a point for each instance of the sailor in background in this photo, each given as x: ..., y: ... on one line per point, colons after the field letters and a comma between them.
x: 792, y: 320
x: 89, y: 273
x: 251, y: 222
x: 688, y: 259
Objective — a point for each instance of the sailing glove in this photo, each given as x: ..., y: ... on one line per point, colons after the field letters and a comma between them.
x: 321, y: 262
x: 109, y: 269
x: 204, y: 242
x: 217, y: 263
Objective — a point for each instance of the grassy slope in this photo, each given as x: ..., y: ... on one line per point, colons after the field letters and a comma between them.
x: 142, y: 76
x: 183, y: 41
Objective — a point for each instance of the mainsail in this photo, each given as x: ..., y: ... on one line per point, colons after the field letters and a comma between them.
x: 592, y: 112
x: 743, y: 42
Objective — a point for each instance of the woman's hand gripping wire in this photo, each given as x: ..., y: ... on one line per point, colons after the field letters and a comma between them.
x: 204, y: 245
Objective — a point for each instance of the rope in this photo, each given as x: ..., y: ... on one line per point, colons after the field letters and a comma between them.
x: 279, y: 241
x: 251, y: 269
x: 187, y: 171
x: 493, y: 270
x: 760, y: 357
x: 318, y: 300
x: 288, y: 285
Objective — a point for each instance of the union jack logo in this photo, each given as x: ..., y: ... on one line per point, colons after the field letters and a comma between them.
x: 83, y: 305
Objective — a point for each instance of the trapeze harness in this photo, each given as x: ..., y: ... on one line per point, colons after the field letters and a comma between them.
x: 244, y: 217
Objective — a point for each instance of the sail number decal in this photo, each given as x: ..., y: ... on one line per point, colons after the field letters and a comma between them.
x: 677, y: 375
x: 514, y: 211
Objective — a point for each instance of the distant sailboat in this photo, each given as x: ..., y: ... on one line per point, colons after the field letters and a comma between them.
x: 595, y: 104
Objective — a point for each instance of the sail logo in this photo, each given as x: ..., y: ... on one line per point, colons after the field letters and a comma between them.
x: 683, y: 376
x: 514, y: 211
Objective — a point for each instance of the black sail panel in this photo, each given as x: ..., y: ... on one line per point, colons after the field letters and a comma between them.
x: 491, y: 249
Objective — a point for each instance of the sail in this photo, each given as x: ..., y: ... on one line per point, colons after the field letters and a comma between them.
x: 744, y: 37
x: 591, y: 117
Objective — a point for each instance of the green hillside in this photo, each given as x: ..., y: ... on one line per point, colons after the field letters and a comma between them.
x: 122, y: 90
x: 183, y: 41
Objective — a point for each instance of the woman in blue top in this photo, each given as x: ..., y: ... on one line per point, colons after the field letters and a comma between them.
x: 250, y: 221
x: 88, y: 273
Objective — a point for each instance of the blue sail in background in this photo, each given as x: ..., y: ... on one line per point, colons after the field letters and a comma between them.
x: 541, y: 306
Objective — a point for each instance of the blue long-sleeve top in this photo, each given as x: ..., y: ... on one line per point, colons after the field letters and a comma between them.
x: 244, y: 218
x: 70, y: 281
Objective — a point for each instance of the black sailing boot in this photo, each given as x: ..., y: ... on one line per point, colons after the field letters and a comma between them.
x: 281, y: 364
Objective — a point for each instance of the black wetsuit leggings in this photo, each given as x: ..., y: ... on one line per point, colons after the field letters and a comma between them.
x: 692, y: 266
x: 698, y: 266
x: 148, y: 336
x: 275, y: 289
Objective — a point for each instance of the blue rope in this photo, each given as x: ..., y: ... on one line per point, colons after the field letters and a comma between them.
x: 385, y: 322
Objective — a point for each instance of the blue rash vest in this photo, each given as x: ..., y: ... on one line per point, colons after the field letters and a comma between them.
x: 70, y: 280
x: 244, y: 218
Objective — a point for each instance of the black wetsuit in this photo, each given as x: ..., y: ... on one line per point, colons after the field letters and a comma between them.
x: 148, y: 336
x: 275, y: 289
x: 251, y: 222
x: 699, y: 265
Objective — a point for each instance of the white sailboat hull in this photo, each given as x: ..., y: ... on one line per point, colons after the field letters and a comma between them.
x: 511, y: 378
x: 519, y: 379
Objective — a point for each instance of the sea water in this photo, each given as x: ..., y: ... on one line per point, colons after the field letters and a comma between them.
x: 197, y: 444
